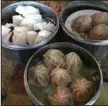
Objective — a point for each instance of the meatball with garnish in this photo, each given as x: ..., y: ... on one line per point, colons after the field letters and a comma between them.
x: 99, y: 32
x: 83, y: 23
x: 100, y: 18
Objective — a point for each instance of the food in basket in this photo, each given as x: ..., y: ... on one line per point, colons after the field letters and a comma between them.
x: 73, y: 62
x: 100, y: 18
x: 60, y: 77
x: 57, y: 84
x: 54, y: 58
x: 60, y: 96
x: 89, y: 24
x: 39, y: 75
x: 30, y: 18
x: 81, y: 89
x: 83, y: 23
x: 98, y: 32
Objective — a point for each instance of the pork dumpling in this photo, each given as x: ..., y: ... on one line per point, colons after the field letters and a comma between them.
x: 81, y: 89
x: 60, y: 96
x: 42, y: 35
x: 17, y: 19
x: 83, y: 23
x: 100, y: 18
x: 39, y: 75
x: 5, y: 30
x: 60, y: 77
x: 10, y: 25
x: 6, y: 38
x: 54, y: 58
x: 28, y: 23
x: 19, y: 36
x: 45, y: 26
x: 73, y: 62
x: 98, y: 32
x: 27, y: 10
x: 31, y: 36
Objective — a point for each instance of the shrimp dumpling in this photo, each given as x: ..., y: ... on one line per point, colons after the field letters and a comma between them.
x: 19, y: 36
x: 42, y: 35
x: 39, y: 75
x: 5, y: 30
x: 31, y: 36
x: 73, y: 62
x: 60, y: 77
x: 48, y: 26
x: 17, y: 19
x: 60, y: 96
x: 54, y: 58
x: 81, y: 89
x: 28, y: 23
x: 6, y: 38
x: 35, y: 17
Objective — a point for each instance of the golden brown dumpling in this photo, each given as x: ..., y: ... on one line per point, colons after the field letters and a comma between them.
x: 53, y: 58
x: 39, y: 75
x: 81, y: 89
x: 98, y: 32
x: 60, y: 77
x: 73, y: 62
x: 100, y: 18
x: 83, y: 23
x: 60, y: 96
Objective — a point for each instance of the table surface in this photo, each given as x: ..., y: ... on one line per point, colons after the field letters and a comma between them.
x: 13, y: 91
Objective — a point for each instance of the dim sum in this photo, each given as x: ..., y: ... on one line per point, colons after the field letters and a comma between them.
x: 98, y: 32
x: 17, y: 19
x: 83, y: 23
x: 60, y: 77
x: 31, y: 36
x: 39, y: 75
x: 100, y: 18
x: 27, y: 10
x: 60, y: 96
x: 5, y: 30
x: 81, y: 89
x: 73, y: 62
x: 42, y: 35
x: 54, y: 58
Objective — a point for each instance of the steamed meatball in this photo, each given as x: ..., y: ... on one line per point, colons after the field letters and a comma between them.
x: 99, y: 32
x: 100, y: 18
x: 83, y: 23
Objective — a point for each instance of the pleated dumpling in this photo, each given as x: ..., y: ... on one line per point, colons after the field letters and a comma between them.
x: 42, y: 35
x: 31, y: 36
x: 60, y: 96
x: 73, y: 62
x: 45, y: 26
x: 17, y: 19
x: 81, y: 89
x: 39, y: 75
x: 60, y: 77
x: 54, y: 58
x: 19, y: 36
x: 27, y: 10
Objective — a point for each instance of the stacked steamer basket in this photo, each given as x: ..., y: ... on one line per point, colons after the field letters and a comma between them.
x: 99, y: 48
x: 21, y: 53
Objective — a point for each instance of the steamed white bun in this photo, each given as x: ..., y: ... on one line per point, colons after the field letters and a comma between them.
x: 42, y: 35
x: 31, y: 36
